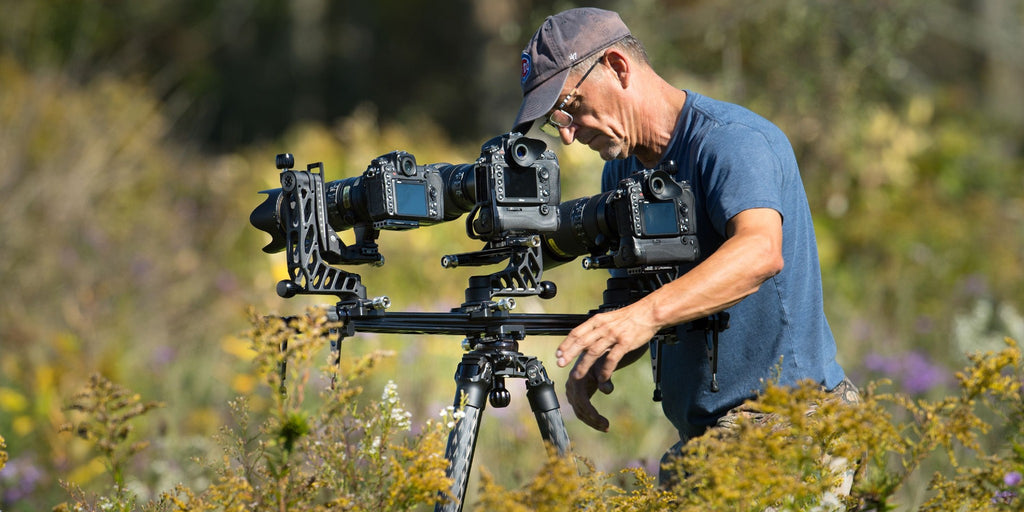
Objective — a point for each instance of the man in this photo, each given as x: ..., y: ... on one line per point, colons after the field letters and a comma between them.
x: 586, y: 77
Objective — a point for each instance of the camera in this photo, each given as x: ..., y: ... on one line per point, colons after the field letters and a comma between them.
x: 647, y: 220
x: 512, y: 189
x: 393, y: 193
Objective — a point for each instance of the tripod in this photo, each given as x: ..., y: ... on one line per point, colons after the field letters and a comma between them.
x: 492, y: 333
x: 480, y: 378
x: 481, y: 374
x: 298, y: 219
x: 492, y: 340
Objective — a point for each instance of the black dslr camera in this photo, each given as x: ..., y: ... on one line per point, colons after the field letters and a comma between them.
x: 512, y: 189
x: 648, y: 220
x: 393, y: 193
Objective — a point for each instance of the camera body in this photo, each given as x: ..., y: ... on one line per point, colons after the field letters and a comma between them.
x: 517, y: 188
x: 647, y: 220
x: 393, y: 193
x: 655, y: 219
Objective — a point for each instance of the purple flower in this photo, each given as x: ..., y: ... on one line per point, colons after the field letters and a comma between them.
x: 21, y: 477
x: 882, y: 364
x: 920, y: 375
x: 1013, y: 479
x: 1004, y: 497
x: 913, y: 369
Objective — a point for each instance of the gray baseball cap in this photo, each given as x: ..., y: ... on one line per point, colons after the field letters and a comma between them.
x: 563, y: 40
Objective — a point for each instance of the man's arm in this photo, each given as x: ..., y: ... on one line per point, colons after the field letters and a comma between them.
x: 751, y: 254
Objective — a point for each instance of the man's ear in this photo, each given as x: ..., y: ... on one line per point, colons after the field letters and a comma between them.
x: 620, y: 65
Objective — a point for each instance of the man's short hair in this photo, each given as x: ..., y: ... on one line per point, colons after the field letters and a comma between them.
x: 629, y: 45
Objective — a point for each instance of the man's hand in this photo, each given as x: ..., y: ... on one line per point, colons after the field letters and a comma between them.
x: 579, y: 391
x: 602, y: 341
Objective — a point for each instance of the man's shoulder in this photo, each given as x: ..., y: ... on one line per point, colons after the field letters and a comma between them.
x: 719, y: 110
x: 725, y: 117
x: 721, y: 126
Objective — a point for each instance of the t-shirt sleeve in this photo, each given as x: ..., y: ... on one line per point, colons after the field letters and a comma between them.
x: 740, y: 171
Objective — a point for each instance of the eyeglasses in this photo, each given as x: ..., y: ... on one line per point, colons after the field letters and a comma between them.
x: 560, y: 118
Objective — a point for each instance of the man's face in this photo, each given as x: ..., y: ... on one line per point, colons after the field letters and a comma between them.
x: 597, y: 118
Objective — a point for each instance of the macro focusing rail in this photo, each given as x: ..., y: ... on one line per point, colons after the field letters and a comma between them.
x: 466, y: 323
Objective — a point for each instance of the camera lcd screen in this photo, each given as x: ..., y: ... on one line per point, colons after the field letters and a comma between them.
x: 520, y: 184
x: 659, y: 218
x: 411, y: 199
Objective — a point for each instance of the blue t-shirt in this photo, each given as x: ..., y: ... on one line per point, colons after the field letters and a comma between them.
x: 736, y: 160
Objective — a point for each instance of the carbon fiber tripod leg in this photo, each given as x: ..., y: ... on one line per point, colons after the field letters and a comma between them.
x: 474, y: 379
x: 540, y: 391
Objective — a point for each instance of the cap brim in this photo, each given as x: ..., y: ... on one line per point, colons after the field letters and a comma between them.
x: 523, y: 128
x: 541, y: 99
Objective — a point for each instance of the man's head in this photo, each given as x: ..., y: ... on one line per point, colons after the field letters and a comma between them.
x: 562, y: 41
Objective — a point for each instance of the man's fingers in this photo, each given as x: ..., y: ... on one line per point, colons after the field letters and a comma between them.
x: 600, y: 358
x: 584, y: 338
x: 583, y: 364
x: 572, y: 345
x: 604, y: 369
x: 585, y: 411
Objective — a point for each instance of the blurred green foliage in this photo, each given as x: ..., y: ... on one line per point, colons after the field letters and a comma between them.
x: 134, y: 137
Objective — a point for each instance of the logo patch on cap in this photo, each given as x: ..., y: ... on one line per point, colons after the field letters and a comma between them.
x: 527, y: 65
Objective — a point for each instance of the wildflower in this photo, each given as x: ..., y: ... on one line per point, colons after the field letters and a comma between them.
x: 1013, y: 479
x: 390, y: 394
x: 450, y: 415
x: 401, y: 418
x: 21, y: 477
x: 917, y: 373
x: 920, y: 375
x: 1004, y: 497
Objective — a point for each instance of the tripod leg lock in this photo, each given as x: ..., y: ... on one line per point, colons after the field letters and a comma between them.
x: 540, y: 390
x: 474, y: 377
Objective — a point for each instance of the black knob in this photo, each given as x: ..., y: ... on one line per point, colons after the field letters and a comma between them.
x: 548, y: 290
x: 285, y: 161
x: 500, y: 398
x: 287, y: 289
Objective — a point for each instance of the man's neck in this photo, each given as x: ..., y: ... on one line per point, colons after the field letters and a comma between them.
x: 661, y: 112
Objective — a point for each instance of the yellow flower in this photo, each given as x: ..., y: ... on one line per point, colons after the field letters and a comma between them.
x: 12, y: 401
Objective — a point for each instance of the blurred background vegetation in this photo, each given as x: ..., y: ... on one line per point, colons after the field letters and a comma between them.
x: 134, y: 137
